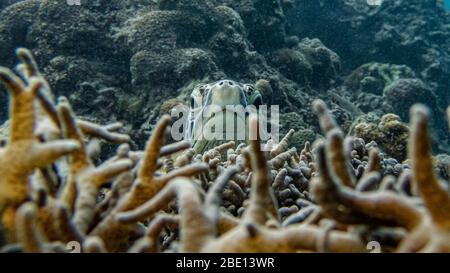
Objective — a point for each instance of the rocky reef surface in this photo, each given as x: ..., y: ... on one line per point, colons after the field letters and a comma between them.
x: 123, y: 60
x: 339, y: 194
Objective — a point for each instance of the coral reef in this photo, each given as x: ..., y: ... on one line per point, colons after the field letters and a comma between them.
x: 132, y: 56
x: 389, y: 133
x: 337, y: 194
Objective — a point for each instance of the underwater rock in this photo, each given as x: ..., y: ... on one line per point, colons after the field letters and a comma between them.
x: 264, y: 21
x: 361, y: 33
x: 308, y: 63
x: 13, y: 32
x: 292, y: 64
x: 6, y: 3
x: 150, y: 68
x: 374, y: 77
x: 403, y: 93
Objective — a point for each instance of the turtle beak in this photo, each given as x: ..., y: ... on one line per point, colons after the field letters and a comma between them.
x: 228, y: 93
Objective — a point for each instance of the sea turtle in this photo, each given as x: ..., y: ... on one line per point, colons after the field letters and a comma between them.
x: 220, y: 103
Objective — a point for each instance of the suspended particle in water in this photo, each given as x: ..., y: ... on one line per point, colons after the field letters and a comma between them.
x: 74, y: 2
x: 374, y: 2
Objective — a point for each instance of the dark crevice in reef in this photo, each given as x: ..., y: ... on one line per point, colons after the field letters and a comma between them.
x: 122, y: 60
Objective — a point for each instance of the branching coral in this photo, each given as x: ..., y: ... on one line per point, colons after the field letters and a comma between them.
x: 335, y: 195
x: 198, y: 223
x: 23, y: 152
x: 428, y: 229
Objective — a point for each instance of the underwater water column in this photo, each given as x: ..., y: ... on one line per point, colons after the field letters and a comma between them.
x: 447, y: 5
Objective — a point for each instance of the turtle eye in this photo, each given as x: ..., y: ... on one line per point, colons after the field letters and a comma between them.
x: 248, y: 89
x: 201, y: 90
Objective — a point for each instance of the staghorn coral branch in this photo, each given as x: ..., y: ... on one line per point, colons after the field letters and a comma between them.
x: 217, y: 151
x: 299, y: 216
x: 153, y: 147
x: 283, y: 145
x: 157, y: 203
x: 236, y: 194
x: 21, y: 106
x: 350, y: 207
x: 150, y: 243
x: 368, y: 182
x: 337, y: 157
x: 213, y: 197
x: 326, y: 120
x: 94, y: 244
x: 145, y: 187
x: 226, y: 223
x: 415, y: 241
x: 222, y: 148
x: 336, y: 143
x: 87, y: 178
x: 87, y: 128
x: 23, y: 152
x: 250, y: 239
x: 44, y: 153
x: 120, y: 187
x: 27, y: 230
x: 89, y: 185
x: 159, y: 222
x: 29, y: 65
x: 174, y: 148
x: 374, y: 164
x: 143, y: 245
x: 403, y: 184
x: 185, y: 158
x: 103, y: 132
x: 67, y: 230
x: 30, y: 70
x: 188, y: 171
x: 49, y: 107
x: 79, y: 159
x: 280, y: 160
x: 436, y: 199
x: 196, y: 229
x: 279, y: 181
x: 387, y: 183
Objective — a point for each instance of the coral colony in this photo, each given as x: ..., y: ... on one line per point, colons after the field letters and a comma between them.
x: 335, y: 195
x: 335, y: 113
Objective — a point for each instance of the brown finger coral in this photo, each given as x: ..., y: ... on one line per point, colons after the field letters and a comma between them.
x: 198, y: 224
x: 335, y: 195
x: 428, y: 230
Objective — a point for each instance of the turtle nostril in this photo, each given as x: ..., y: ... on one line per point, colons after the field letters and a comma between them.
x: 230, y: 83
x: 221, y: 83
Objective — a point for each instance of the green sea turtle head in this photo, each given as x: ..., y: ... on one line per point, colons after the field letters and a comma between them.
x: 218, y: 113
